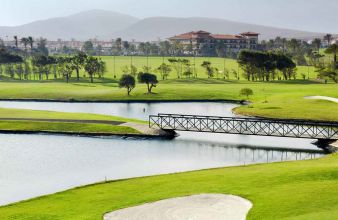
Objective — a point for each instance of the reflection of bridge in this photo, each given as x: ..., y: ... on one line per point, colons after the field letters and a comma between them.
x: 247, y: 126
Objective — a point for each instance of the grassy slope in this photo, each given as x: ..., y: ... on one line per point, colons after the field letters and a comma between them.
x: 56, y: 127
x: 293, y: 190
x: 284, y: 100
x: 62, y: 126
x: 21, y: 113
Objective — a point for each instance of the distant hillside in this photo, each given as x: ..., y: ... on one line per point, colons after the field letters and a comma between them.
x: 106, y: 25
x: 82, y: 26
x: 164, y: 27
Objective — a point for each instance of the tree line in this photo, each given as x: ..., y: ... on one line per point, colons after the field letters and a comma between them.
x: 41, y: 66
x: 266, y: 66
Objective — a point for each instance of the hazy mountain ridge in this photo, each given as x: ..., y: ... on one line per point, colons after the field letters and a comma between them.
x: 106, y: 25
x: 82, y: 26
x: 164, y: 27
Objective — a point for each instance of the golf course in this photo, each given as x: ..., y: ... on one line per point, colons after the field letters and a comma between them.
x: 292, y: 190
x: 274, y: 99
x: 278, y: 190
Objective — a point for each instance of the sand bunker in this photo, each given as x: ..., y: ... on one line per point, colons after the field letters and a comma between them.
x: 323, y: 98
x: 197, y: 207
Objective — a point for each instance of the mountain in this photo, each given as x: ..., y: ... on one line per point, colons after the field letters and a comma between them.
x: 164, y: 27
x: 106, y: 25
x: 81, y: 26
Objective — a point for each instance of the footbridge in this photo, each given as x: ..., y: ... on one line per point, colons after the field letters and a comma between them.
x: 321, y: 130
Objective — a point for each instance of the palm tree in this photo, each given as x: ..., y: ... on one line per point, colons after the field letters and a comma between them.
x: 317, y: 43
x: 333, y: 49
x: 328, y: 38
x: 25, y: 42
x: 16, y: 41
x: 31, y: 42
x: 294, y: 44
x: 284, y: 41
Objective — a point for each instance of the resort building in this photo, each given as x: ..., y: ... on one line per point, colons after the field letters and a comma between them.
x: 201, y: 41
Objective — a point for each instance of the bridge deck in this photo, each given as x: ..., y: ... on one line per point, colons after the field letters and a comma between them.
x: 247, y: 126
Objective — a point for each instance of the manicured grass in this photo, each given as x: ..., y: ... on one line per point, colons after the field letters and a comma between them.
x: 154, y: 62
x: 71, y: 128
x: 36, y: 114
x: 80, y: 127
x: 275, y: 99
x: 292, y: 190
x: 115, y: 68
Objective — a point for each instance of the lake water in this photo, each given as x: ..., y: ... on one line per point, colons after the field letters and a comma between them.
x: 34, y: 165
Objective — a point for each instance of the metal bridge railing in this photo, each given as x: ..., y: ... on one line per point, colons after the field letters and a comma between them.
x: 247, y: 126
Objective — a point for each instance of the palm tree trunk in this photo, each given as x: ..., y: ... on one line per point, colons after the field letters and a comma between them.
x: 77, y: 74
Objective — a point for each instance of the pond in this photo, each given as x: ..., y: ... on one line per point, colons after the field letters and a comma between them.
x: 34, y: 165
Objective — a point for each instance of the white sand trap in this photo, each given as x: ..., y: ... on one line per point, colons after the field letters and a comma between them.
x: 323, y: 98
x: 197, y: 207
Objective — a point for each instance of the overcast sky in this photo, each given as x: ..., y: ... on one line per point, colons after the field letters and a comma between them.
x: 311, y: 15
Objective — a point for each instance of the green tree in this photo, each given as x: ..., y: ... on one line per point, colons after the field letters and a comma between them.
x: 328, y: 38
x: 284, y: 64
x: 176, y: 66
x: 317, y: 42
x: 127, y: 81
x: 25, y: 43
x: 118, y: 46
x: 41, y: 47
x: 92, y: 67
x: 43, y: 64
x: 31, y: 42
x: 27, y: 70
x: 165, y: 48
x: 209, y: 69
x: 164, y: 69
x: 149, y: 79
x: 19, y: 70
x: 78, y: 62
x: 88, y: 48
x: 328, y: 74
x: 102, y: 68
x: 6, y: 57
x: 129, y: 69
x: 294, y: 44
x: 333, y: 49
x: 66, y: 68
x: 246, y: 92
x: 126, y: 46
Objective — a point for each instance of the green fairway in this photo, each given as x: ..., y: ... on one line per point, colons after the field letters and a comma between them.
x: 115, y: 68
x: 292, y: 190
x: 31, y: 121
x: 276, y: 100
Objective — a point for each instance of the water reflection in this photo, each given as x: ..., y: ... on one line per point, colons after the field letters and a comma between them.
x: 34, y: 165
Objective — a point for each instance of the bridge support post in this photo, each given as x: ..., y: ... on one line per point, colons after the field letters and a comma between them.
x: 326, y: 145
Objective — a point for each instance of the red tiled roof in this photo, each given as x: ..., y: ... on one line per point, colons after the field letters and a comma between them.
x: 189, y: 35
x: 226, y: 36
x: 196, y: 34
x: 201, y: 32
x: 250, y: 33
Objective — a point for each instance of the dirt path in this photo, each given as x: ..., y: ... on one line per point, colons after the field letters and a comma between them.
x: 197, y: 207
